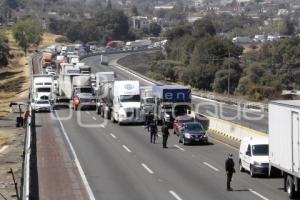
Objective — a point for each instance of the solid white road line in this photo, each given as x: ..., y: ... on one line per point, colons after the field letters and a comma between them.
x: 147, y: 168
x: 3, y: 148
x: 126, y: 148
x: 179, y: 147
x: 112, y: 135
x: 94, y: 118
x: 175, y: 195
x: 257, y: 194
x: 81, y: 172
x: 210, y: 166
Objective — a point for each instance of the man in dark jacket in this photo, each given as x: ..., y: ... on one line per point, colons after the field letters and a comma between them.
x: 165, y: 135
x: 153, y: 131
x: 229, y: 167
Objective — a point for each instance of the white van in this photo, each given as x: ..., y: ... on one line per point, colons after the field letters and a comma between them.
x: 254, y: 155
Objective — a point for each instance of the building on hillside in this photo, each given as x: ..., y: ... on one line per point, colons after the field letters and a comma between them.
x: 140, y: 22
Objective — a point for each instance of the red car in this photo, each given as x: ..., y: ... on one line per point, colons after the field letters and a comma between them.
x: 179, y: 121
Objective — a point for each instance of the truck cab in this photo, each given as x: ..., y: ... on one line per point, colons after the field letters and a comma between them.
x: 254, y: 155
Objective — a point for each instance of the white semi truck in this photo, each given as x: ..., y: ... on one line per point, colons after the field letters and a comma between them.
x: 284, y: 140
x: 120, y: 101
x: 42, y: 87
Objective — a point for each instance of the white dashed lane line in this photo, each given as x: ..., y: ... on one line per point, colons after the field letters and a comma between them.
x: 178, y: 147
x: 176, y: 196
x: 94, y: 118
x: 88, y: 112
x: 126, y: 148
x: 112, y: 135
x: 147, y: 168
x: 210, y: 166
x: 257, y: 194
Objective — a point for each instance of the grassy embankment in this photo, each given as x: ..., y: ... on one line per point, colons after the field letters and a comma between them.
x: 15, y: 78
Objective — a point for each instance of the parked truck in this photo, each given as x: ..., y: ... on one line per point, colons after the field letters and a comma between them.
x: 147, y: 100
x: 284, y: 138
x: 171, y: 101
x: 120, y: 101
x: 42, y: 87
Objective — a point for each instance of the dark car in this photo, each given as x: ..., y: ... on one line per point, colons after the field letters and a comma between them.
x: 179, y: 121
x: 192, y: 133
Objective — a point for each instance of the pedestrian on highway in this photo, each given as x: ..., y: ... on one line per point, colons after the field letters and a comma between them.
x: 148, y: 120
x: 165, y: 135
x: 153, y: 131
x: 229, y: 167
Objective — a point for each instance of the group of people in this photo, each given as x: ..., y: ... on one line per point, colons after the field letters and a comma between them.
x: 151, y: 126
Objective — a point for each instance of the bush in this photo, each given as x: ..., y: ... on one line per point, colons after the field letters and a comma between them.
x: 62, y: 40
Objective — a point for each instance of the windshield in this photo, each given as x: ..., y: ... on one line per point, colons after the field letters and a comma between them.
x: 130, y: 98
x: 149, y: 100
x: 43, y: 89
x: 84, y: 90
x: 193, y: 127
x: 42, y: 102
x: 260, y: 150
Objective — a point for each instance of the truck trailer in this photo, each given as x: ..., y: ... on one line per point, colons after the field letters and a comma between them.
x: 284, y: 138
x: 171, y: 101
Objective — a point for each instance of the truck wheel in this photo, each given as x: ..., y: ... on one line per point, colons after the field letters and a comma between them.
x: 241, y: 166
x: 290, y: 188
x: 251, y: 171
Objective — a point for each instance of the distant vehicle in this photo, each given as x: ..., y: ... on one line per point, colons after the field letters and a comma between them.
x: 42, y: 87
x: 254, y: 155
x: 192, y: 133
x: 260, y: 38
x: 147, y: 100
x: 48, y: 69
x: 46, y: 59
x: 284, y: 138
x: 115, y: 44
x: 241, y: 40
x: 178, y: 122
x: 137, y: 44
x: 41, y: 105
x: 104, y: 59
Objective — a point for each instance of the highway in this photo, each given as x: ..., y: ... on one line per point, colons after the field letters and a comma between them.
x: 252, y: 119
x: 120, y: 163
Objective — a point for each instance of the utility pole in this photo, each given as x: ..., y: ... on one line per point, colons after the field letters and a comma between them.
x: 228, y: 81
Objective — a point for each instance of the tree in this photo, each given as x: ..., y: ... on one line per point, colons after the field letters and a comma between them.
x: 203, y: 27
x: 4, y: 49
x: 28, y: 33
x: 134, y: 11
x: 154, y: 29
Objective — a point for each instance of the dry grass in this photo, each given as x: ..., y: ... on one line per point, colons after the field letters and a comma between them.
x: 15, y: 78
x: 3, y: 140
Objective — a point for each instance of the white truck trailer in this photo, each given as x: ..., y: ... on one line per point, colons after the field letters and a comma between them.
x: 104, y: 59
x: 120, y: 101
x: 42, y: 87
x: 284, y: 138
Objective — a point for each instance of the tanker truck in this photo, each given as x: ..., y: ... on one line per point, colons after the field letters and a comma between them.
x: 120, y: 101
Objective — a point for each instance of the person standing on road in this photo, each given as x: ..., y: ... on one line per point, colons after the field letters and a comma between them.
x: 153, y: 131
x: 229, y: 167
x: 165, y: 135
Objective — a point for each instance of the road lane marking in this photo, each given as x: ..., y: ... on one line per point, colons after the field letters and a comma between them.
x: 102, y: 126
x: 88, y: 112
x: 147, y: 168
x: 178, y: 147
x: 176, y: 196
x: 257, y: 194
x: 210, y: 166
x: 126, y: 148
x: 3, y: 148
x: 80, y: 169
x: 94, y: 118
x: 159, y: 135
x: 112, y: 135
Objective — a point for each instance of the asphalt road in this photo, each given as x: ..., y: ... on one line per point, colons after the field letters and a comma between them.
x: 121, y: 164
x: 249, y: 118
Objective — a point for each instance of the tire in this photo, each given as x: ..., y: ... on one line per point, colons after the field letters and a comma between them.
x: 241, y: 167
x: 252, y: 172
x: 290, y: 188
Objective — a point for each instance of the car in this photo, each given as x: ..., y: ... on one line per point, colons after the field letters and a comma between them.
x: 192, y: 133
x: 41, y: 105
x: 48, y: 69
x: 177, y: 125
x: 254, y: 156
